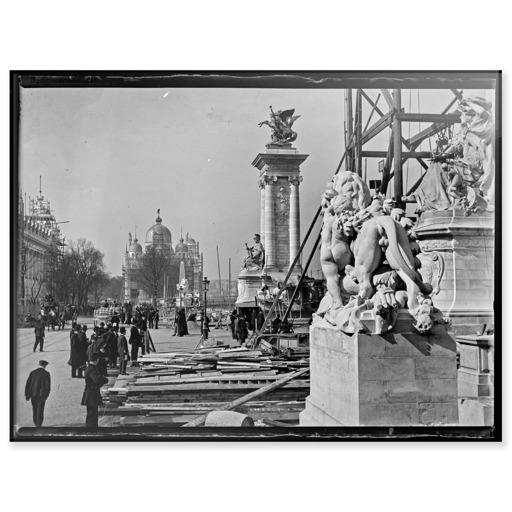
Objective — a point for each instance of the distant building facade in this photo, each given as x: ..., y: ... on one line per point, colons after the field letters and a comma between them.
x: 39, y: 247
x: 186, y: 251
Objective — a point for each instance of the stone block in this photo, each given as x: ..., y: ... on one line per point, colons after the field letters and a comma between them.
x: 398, y: 379
x: 398, y: 414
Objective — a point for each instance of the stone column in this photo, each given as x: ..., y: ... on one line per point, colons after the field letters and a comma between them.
x: 261, y: 184
x: 270, y: 248
x: 294, y: 226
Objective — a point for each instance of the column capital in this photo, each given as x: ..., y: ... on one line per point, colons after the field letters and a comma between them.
x: 295, y: 180
x: 261, y: 183
x: 269, y: 180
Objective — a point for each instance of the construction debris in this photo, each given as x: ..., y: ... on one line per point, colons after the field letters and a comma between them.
x: 181, y: 388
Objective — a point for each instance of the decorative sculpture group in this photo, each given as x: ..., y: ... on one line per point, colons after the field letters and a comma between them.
x: 281, y: 123
x: 462, y: 174
x: 368, y: 257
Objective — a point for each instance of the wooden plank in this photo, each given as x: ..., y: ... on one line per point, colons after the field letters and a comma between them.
x: 388, y: 98
x: 428, y: 118
x: 405, y: 154
x: 260, y: 392
x: 377, y: 127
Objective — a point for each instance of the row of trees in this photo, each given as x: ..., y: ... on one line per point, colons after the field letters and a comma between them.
x: 81, y: 274
x: 78, y: 275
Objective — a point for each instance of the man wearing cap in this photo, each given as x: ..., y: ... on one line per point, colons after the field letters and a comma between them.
x: 37, y: 390
x: 39, y: 332
x: 92, y: 395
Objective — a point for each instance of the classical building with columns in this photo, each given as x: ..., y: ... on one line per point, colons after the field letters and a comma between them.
x: 39, y: 248
x: 279, y: 183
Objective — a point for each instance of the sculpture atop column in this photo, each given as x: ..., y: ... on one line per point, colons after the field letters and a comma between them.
x: 255, y: 258
x: 281, y: 123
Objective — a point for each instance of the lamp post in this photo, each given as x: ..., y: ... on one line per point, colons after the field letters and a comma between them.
x: 204, y: 324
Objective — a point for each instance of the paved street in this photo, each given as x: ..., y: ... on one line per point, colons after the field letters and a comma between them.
x: 63, y: 406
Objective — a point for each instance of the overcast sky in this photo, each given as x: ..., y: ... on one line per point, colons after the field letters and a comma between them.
x: 109, y: 158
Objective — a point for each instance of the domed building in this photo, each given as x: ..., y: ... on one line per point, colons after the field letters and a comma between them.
x: 159, y: 236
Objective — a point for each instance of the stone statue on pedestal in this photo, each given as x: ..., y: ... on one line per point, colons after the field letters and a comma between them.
x: 281, y: 123
x: 255, y: 258
x: 368, y: 257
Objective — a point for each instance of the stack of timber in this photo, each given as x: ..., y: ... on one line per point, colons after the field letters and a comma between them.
x: 176, y: 388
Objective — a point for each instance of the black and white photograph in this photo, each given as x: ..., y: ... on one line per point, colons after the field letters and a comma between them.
x: 253, y: 254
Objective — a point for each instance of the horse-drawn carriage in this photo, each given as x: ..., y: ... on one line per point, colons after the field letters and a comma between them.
x: 54, y: 315
x: 103, y: 314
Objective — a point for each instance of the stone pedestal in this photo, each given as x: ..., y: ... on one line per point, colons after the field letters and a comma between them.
x: 403, y: 379
x: 476, y: 380
x: 249, y: 284
x: 476, y: 372
x: 458, y: 259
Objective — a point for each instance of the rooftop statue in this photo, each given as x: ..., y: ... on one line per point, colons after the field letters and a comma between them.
x: 255, y: 258
x: 368, y: 256
x: 281, y: 123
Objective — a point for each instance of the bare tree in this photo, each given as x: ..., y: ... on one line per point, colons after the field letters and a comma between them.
x: 84, y: 264
x: 34, y: 289
x: 99, y: 286
x: 150, y: 270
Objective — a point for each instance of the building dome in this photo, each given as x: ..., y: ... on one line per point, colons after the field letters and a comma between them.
x: 135, y: 246
x: 158, y: 233
x: 181, y: 247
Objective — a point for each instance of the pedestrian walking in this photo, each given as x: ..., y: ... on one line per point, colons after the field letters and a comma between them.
x: 156, y: 319
x: 151, y: 318
x: 77, y: 358
x: 39, y: 332
x: 241, y: 330
x: 122, y: 349
x: 92, y: 395
x: 232, y: 325
x: 135, y: 342
x: 37, y: 390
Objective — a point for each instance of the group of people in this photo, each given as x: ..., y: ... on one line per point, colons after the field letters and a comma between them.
x: 140, y: 314
x: 241, y: 324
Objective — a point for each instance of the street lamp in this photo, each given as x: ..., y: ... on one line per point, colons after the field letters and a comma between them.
x: 204, y: 327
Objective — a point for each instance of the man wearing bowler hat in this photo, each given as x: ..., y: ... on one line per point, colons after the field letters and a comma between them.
x: 37, y: 390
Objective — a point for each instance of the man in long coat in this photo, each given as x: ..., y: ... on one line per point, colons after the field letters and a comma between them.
x: 122, y: 349
x: 37, y: 390
x: 76, y: 358
x: 92, y: 395
x: 84, y: 343
x: 135, y: 342
x: 241, y: 329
